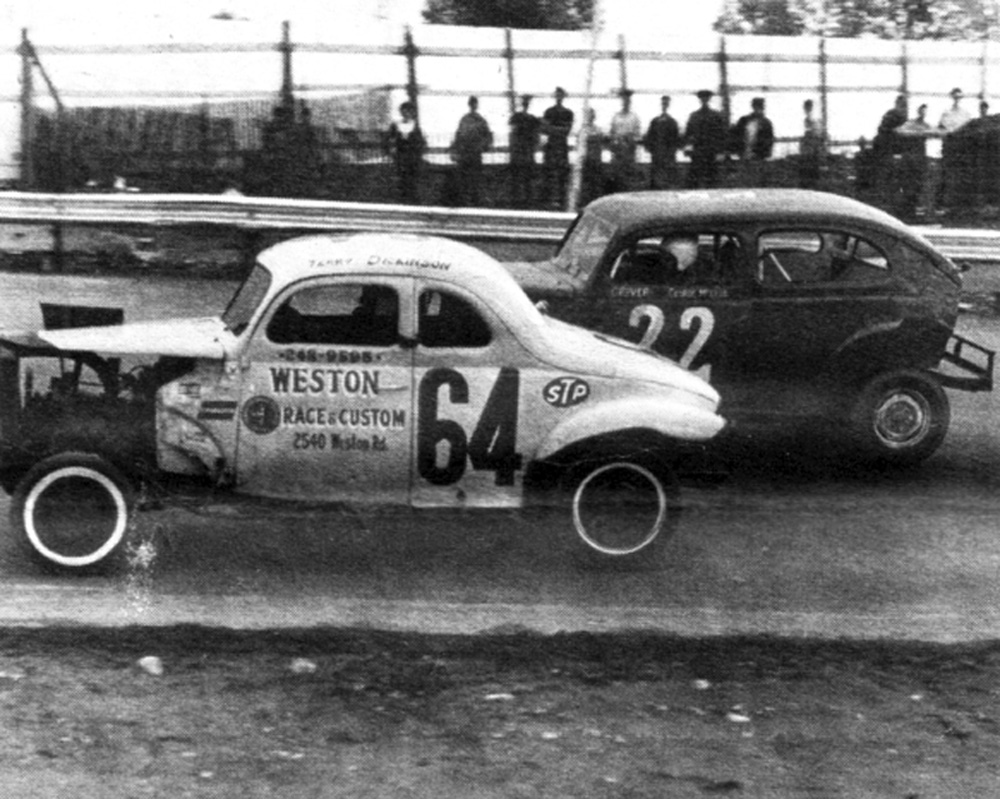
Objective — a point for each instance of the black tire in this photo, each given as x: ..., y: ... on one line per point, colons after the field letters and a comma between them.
x: 900, y: 418
x: 623, y: 511
x: 72, y: 513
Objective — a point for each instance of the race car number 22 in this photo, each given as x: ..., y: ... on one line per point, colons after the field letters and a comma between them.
x: 493, y: 443
x: 705, y: 325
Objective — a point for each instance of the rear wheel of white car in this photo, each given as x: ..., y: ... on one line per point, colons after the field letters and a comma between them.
x: 623, y: 512
x: 72, y: 512
x: 901, y: 417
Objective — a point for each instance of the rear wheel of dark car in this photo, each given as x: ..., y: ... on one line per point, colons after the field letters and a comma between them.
x: 900, y: 417
x: 72, y: 512
x: 623, y: 511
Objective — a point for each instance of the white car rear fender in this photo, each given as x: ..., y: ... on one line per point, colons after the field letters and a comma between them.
x: 675, y: 420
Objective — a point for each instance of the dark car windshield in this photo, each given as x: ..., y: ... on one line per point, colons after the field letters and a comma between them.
x: 584, y: 246
x: 246, y: 299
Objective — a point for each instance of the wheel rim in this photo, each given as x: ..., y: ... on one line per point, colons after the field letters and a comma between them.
x: 75, y: 516
x: 619, y: 509
x: 902, y: 419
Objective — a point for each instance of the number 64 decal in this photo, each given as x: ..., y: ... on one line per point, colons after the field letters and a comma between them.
x: 706, y: 324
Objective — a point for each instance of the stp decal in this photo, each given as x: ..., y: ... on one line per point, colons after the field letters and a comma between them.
x: 261, y: 415
x: 566, y: 391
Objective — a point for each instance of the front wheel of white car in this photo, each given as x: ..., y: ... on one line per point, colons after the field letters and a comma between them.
x: 623, y: 512
x: 72, y: 512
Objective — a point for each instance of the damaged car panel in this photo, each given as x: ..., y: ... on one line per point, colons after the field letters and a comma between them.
x: 369, y: 369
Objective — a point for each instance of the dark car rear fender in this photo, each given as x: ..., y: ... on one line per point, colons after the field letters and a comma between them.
x: 909, y: 343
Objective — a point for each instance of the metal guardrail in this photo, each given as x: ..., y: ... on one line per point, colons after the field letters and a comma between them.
x: 256, y: 213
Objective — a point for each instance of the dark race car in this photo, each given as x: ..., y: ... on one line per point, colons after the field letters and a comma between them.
x: 796, y: 305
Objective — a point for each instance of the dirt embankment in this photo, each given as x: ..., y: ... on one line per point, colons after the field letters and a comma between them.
x: 359, y: 713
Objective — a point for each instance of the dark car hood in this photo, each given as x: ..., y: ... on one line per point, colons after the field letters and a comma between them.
x: 543, y: 277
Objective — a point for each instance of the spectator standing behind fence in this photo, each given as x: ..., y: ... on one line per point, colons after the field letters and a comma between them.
x: 557, y: 122
x: 472, y: 138
x: 623, y: 138
x: 913, y: 143
x: 523, y: 142
x: 812, y: 149
x: 951, y: 120
x: 705, y: 138
x: 662, y: 139
x: 885, y: 147
x: 592, y: 174
x: 407, y: 146
x: 753, y: 142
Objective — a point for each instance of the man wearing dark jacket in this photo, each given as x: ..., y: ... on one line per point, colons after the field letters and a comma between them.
x: 662, y: 140
x: 753, y: 140
x: 705, y: 138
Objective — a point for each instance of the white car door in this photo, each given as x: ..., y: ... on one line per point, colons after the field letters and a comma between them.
x: 327, y: 409
x: 468, y: 378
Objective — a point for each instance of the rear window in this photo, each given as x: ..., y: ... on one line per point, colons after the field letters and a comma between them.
x: 804, y: 257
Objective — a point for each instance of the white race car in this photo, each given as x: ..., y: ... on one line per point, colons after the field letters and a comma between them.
x: 368, y: 369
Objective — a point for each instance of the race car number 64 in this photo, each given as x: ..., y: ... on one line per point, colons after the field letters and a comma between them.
x: 704, y: 317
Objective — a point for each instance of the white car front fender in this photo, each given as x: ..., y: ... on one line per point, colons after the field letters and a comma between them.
x: 673, y: 419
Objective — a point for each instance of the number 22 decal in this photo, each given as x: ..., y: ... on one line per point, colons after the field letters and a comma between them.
x: 493, y: 442
x: 704, y: 317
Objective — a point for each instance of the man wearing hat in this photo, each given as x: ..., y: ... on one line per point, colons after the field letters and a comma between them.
x: 662, y: 140
x: 952, y: 160
x: 705, y: 140
x: 557, y: 122
x: 623, y: 136
x: 523, y: 142
x: 956, y: 116
x: 753, y: 139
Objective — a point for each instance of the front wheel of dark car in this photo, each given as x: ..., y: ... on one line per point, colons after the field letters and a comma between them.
x: 623, y: 512
x: 72, y: 512
x: 900, y: 418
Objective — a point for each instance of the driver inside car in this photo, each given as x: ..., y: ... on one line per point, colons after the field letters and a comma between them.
x: 681, y: 259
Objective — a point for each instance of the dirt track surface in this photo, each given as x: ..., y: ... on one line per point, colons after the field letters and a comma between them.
x: 786, y: 547
x: 323, y: 713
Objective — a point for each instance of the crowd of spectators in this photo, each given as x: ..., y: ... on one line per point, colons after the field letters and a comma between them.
x: 895, y: 166
x: 608, y: 157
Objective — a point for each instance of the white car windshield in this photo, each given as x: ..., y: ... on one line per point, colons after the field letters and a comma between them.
x: 586, y: 243
x: 247, y: 298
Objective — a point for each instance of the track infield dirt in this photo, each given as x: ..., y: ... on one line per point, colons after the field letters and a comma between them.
x: 358, y: 713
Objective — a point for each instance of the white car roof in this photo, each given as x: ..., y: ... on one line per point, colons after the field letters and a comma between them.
x: 399, y: 255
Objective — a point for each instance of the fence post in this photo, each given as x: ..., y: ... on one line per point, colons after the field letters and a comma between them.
x: 410, y: 53
x: 508, y: 53
x: 823, y: 87
x: 724, y: 79
x: 904, y: 67
x: 287, y: 95
x: 27, y: 114
x: 984, y: 71
x: 622, y: 63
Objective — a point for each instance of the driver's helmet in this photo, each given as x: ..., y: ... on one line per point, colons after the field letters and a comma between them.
x: 684, y: 249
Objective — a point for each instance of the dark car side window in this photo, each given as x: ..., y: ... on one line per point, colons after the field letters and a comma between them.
x: 678, y: 260
x: 818, y: 257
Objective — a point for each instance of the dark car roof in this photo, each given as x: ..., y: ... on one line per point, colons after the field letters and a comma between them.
x: 740, y: 206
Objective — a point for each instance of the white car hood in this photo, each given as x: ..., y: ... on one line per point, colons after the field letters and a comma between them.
x: 584, y: 351
x: 205, y: 337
